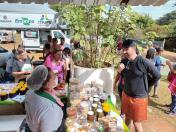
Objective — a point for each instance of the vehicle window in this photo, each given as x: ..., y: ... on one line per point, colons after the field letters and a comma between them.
x: 30, y: 34
x: 5, y: 34
x: 43, y: 36
x: 57, y: 34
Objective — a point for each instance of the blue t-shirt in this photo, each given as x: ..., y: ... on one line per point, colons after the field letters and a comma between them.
x: 158, y: 63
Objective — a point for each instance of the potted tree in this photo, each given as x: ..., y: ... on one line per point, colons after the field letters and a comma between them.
x: 97, y: 28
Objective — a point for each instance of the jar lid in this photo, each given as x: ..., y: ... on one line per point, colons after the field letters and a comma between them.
x: 91, y: 98
x: 94, y: 105
x: 96, y: 99
x: 96, y: 96
x: 84, y: 104
x: 99, y: 110
x: 90, y: 113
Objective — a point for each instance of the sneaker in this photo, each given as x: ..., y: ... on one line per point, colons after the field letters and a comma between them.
x: 167, y: 112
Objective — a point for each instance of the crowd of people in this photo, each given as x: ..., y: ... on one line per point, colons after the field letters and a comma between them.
x: 57, y: 68
x: 44, y: 110
x: 136, y: 75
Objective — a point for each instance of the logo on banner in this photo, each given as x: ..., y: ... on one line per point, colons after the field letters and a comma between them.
x: 44, y: 20
x: 25, y: 21
x: 5, y: 20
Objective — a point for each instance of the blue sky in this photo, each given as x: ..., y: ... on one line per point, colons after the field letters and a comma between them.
x: 156, y: 11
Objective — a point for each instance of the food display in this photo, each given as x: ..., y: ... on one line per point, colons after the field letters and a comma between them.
x: 71, y: 112
x: 90, y: 116
x: 12, y: 90
x: 61, y: 89
x: 90, y: 110
x: 74, y: 81
x: 4, y: 96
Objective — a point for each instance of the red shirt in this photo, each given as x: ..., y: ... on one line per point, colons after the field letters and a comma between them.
x: 172, y: 86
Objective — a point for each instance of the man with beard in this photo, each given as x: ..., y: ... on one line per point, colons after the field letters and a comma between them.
x: 136, y: 90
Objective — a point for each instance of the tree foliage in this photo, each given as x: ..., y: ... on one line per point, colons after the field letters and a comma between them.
x: 144, y: 21
x: 97, y: 28
x: 161, y: 30
x: 167, y: 18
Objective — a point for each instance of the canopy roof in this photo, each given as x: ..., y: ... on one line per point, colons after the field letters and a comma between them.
x: 95, y: 2
x: 27, y: 16
x: 26, y: 8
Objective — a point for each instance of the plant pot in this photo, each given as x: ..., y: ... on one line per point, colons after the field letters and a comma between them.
x: 102, y: 76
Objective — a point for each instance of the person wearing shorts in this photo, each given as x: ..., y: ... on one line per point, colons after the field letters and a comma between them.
x: 135, y: 91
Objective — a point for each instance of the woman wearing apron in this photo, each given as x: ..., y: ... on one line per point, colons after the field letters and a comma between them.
x: 43, y: 109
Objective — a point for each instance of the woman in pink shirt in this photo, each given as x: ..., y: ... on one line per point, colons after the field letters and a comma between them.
x: 56, y: 62
x: 54, y: 45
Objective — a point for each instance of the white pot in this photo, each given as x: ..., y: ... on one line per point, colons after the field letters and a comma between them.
x: 102, y: 76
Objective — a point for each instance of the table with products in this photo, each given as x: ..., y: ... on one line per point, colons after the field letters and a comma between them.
x: 88, y: 108
x: 92, y: 110
x: 12, y: 96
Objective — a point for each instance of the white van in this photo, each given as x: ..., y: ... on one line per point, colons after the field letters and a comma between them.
x: 35, y: 39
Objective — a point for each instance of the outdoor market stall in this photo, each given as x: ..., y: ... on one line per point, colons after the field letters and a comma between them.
x: 14, y: 94
x: 90, y: 108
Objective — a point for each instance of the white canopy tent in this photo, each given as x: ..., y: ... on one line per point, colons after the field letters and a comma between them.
x: 26, y: 16
x: 95, y: 2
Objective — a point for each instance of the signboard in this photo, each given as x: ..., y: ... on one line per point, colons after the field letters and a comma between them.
x: 8, y: 20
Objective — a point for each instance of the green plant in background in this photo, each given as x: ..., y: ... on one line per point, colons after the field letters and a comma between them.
x: 97, y: 29
x: 151, y: 35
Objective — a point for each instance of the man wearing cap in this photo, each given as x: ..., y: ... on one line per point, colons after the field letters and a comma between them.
x: 135, y: 92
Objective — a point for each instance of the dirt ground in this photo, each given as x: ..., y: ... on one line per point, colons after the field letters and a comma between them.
x: 158, y: 121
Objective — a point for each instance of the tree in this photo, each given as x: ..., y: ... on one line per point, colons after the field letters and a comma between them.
x: 151, y: 35
x: 144, y: 21
x: 172, y: 30
x: 97, y: 28
x: 167, y: 18
x: 162, y: 30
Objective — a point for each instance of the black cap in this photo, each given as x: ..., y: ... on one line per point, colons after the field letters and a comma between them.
x: 129, y: 43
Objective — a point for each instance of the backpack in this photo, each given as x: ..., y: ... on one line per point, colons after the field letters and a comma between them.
x: 148, y: 78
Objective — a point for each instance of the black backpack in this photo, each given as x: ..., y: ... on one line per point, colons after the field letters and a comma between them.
x: 148, y: 78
